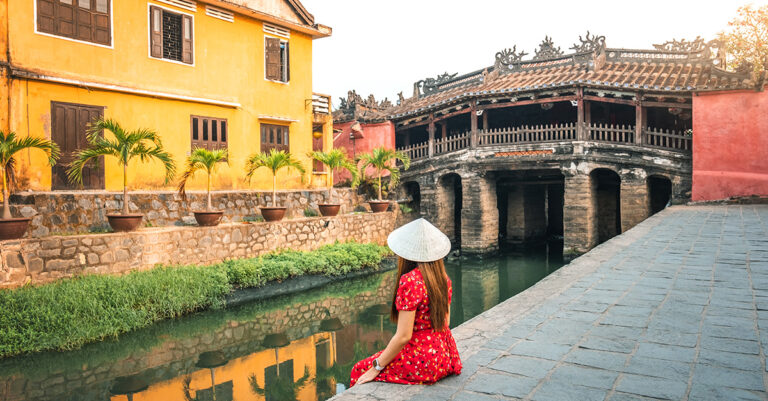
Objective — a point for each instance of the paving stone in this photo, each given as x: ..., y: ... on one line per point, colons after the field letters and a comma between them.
x: 666, y: 352
x: 607, y: 344
x: 652, y: 387
x: 731, y: 360
x: 436, y: 392
x: 671, y: 338
x: 616, y: 332
x: 467, y: 396
x: 658, y: 368
x: 531, y: 367
x: 567, y: 391
x: 731, y: 345
x: 510, y: 386
x: 597, y: 359
x: 624, y: 321
x: 618, y: 396
x: 722, y: 377
x: 583, y: 376
x: 540, y: 350
x: 702, y: 392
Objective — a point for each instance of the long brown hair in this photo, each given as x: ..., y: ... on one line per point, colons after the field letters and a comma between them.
x: 436, y: 281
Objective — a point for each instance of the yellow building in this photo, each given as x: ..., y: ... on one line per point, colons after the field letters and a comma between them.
x: 209, y: 73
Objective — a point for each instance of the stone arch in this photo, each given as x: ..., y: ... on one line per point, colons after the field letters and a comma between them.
x: 659, y: 192
x: 412, y: 192
x: 606, y: 201
x: 449, y: 205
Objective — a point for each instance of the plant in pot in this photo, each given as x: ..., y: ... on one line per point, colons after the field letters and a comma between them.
x: 275, y: 160
x: 382, y: 159
x: 206, y: 160
x: 13, y: 228
x: 334, y: 159
x: 125, y: 146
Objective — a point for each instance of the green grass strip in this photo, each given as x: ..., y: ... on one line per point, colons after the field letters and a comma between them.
x: 69, y: 313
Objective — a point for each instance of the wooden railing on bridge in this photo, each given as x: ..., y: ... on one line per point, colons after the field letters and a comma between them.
x: 416, y: 151
x: 651, y: 137
x: 526, y: 134
x: 452, y: 143
x: 667, y: 139
x: 611, y: 133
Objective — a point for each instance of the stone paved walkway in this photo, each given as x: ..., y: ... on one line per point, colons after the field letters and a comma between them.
x: 676, y: 308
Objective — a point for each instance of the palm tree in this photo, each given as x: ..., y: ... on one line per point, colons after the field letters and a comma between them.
x: 336, y: 159
x: 382, y: 160
x: 9, y: 146
x: 274, y: 161
x: 202, y: 159
x: 142, y: 143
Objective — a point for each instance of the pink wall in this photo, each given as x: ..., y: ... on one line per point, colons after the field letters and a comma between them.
x: 730, y: 145
x: 374, y: 136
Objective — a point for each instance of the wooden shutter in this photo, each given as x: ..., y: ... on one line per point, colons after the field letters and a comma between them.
x: 84, y: 23
x: 46, y: 17
x: 156, y: 31
x: 65, y: 16
x: 69, y: 127
x: 101, y: 28
x: 186, y: 39
x: 287, y: 63
x: 272, y: 57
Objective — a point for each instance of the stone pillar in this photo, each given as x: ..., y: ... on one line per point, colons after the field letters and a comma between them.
x: 479, y: 215
x: 445, y: 207
x: 635, y: 205
x: 579, y: 219
x: 473, y: 125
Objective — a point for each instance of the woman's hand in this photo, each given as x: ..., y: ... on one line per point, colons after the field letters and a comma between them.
x: 368, y: 376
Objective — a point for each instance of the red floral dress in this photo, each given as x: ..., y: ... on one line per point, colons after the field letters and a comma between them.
x: 430, y: 355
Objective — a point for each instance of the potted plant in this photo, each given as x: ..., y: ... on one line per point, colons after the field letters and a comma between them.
x: 125, y: 146
x: 208, y: 160
x: 274, y: 160
x: 334, y: 159
x: 382, y: 159
x: 13, y: 228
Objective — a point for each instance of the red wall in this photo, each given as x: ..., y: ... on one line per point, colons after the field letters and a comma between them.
x: 374, y: 136
x: 730, y: 145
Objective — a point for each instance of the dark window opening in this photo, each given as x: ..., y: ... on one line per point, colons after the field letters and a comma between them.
x: 170, y: 35
x: 205, y: 129
x: 194, y: 129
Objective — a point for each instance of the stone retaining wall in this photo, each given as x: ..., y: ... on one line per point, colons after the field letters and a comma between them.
x: 40, y: 260
x: 76, y: 212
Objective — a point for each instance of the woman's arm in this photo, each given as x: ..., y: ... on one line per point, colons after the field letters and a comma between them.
x: 403, y: 334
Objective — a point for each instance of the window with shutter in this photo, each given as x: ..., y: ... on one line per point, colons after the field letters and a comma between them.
x: 276, y: 59
x: 171, y: 35
x: 274, y: 137
x: 82, y: 20
x: 208, y: 133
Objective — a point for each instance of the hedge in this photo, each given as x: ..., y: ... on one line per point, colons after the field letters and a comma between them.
x: 70, y: 313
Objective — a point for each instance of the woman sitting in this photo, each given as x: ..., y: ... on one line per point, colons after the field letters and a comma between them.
x: 422, y: 351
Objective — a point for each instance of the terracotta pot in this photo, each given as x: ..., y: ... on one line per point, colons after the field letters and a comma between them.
x: 124, y: 222
x: 379, y: 206
x: 273, y: 213
x: 208, y: 219
x: 13, y: 228
x: 329, y: 209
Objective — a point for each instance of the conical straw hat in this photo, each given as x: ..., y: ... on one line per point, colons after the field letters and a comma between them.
x: 419, y: 241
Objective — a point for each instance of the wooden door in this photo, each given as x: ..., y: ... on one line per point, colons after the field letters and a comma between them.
x: 69, y: 127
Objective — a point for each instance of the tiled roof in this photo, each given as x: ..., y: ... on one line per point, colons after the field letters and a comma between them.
x: 626, y: 70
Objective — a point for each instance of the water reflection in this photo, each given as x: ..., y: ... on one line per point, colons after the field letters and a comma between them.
x: 299, y: 347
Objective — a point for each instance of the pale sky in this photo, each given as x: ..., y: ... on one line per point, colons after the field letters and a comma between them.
x: 384, y: 46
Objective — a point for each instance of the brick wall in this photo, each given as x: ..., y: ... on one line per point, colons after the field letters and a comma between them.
x: 39, y: 260
x: 77, y: 212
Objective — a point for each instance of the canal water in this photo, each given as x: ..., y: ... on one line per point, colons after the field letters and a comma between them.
x: 298, y: 347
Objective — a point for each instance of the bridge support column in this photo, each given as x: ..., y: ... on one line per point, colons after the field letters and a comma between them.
x: 635, y: 205
x: 479, y: 215
x: 579, y: 214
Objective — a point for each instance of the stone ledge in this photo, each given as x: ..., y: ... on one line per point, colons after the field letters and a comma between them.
x: 473, y: 334
x: 41, y: 260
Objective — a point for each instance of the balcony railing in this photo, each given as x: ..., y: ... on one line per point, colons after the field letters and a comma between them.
x: 651, y: 137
